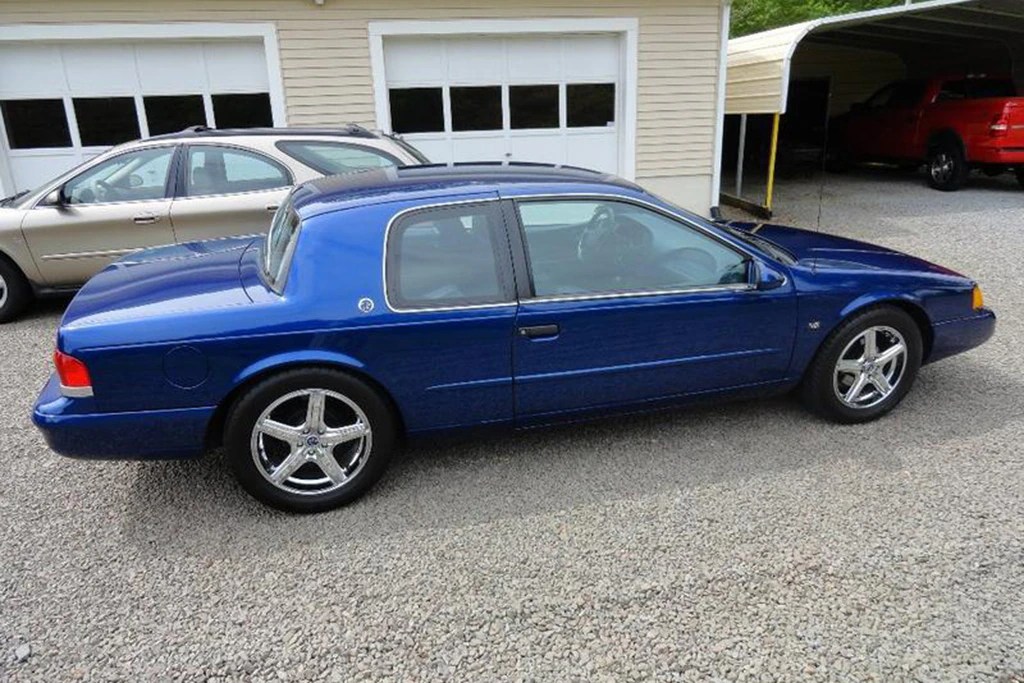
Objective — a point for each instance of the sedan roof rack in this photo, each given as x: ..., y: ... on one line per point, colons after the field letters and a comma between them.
x: 352, y: 130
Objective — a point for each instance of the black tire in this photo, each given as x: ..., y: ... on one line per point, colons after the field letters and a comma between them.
x: 372, y: 453
x: 15, y: 291
x: 823, y: 381
x: 947, y: 165
x: 1020, y: 176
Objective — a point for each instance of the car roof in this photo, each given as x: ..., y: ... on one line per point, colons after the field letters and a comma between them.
x: 333, y: 193
x: 350, y: 130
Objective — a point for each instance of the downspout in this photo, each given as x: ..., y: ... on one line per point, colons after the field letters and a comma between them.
x: 723, y: 58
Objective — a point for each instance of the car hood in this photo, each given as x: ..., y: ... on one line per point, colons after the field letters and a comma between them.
x: 821, y: 250
x: 162, y: 280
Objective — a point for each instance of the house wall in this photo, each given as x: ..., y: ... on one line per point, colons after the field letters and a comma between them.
x: 325, y: 62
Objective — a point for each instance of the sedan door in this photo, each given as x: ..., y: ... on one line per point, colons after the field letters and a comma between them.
x: 224, y: 191
x: 630, y: 305
x: 110, y: 209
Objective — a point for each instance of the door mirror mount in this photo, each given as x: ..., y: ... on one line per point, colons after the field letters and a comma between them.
x: 55, y: 198
x: 767, y: 278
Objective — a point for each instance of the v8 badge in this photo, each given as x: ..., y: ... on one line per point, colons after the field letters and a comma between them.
x: 365, y: 304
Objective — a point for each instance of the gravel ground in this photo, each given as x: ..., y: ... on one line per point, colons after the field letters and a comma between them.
x: 747, y: 541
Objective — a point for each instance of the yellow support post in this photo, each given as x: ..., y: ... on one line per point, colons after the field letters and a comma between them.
x: 771, y: 161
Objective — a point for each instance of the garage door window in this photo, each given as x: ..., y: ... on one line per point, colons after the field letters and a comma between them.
x: 225, y: 170
x: 134, y: 176
x: 476, y: 108
x: 250, y: 110
x: 106, y: 121
x: 590, y: 104
x: 533, y: 106
x: 171, y: 113
x: 35, y: 123
x: 416, y: 110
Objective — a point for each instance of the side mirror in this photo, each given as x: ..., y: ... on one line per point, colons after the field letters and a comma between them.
x: 55, y: 198
x: 766, y: 277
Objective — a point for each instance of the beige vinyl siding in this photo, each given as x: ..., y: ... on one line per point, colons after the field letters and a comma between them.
x: 325, y: 59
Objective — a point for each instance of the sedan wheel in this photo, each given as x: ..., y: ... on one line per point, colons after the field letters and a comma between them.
x: 870, y: 367
x: 865, y: 367
x: 15, y: 291
x: 310, y: 440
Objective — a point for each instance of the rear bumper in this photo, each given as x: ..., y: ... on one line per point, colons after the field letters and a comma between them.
x: 956, y: 336
x: 1009, y: 156
x: 72, y: 430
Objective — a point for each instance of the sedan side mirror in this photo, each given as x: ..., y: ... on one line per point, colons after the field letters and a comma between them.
x: 767, y: 277
x: 55, y: 198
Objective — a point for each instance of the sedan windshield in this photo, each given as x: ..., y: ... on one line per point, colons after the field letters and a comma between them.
x: 774, y: 250
x: 284, y: 232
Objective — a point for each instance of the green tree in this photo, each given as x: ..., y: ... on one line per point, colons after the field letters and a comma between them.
x: 751, y: 16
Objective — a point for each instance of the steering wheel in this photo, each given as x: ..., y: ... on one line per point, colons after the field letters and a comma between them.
x: 611, y: 241
x: 104, y: 191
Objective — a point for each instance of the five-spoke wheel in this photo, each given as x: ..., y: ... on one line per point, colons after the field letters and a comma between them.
x: 309, y: 440
x: 865, y: 367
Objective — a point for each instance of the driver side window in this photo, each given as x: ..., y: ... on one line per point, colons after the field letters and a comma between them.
x: 130, y: 177
x: 593, y: 247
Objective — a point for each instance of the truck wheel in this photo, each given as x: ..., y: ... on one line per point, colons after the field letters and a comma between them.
x: 947, y: 167
x: 15, y: 292
x: 1020, y: 176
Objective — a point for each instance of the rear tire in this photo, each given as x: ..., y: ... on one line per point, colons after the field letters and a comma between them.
x: 310, y: 440
x: 865, y: 367
x: 947, y: 166
x: 15, y: 291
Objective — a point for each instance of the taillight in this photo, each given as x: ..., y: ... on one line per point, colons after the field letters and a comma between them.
x: 1000, y: 125
x: 74, y: 376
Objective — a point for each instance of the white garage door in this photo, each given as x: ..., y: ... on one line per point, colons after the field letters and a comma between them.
x: 550, y: 99
x: 62, y: 103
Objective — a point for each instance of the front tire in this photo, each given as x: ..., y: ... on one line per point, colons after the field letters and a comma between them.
x: 15, y: 291
x: 310, y: 440
x: 947, y: 166
x: 865, y: 367
x: 1020, y: 176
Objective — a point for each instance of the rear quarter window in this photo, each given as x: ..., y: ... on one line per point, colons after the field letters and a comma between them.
x: 280, y: 246
x: 448, y: 257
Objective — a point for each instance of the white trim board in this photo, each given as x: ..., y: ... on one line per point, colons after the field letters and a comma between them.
x: 267, y: 33
x: 627, y: 27
x: 723, y: 59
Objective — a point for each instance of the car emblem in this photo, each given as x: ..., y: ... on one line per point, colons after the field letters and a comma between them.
x: 366, y: 304
x: 312, y: 441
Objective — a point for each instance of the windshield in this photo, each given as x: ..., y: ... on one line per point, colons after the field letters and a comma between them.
x: 284, y: 231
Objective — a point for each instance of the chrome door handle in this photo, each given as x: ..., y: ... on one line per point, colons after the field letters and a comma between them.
x: 272, y: 207
x: 145, y: 218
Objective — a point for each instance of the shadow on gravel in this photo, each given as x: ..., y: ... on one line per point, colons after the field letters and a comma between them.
x: 194, y: 507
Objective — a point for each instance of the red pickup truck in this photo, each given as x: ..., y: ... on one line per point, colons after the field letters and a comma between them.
x: 951, y: 124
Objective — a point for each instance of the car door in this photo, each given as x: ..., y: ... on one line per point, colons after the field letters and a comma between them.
x: 224, y: 190
x: 111, y: 208
x: 630, y: 304
x: 449, y: 289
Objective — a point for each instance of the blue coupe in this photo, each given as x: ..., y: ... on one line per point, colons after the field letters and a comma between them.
x: 404, y: 301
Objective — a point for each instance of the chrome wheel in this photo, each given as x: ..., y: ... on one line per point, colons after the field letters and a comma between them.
x: 942, y: 167
x: 3, y: 291
x: 311, y: 441
x: 870, y: 368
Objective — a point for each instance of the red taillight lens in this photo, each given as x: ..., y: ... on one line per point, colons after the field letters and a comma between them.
x: 72, y: 372
x: 1000, y: 125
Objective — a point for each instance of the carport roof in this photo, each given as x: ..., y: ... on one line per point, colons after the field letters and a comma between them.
x: 759, y: 64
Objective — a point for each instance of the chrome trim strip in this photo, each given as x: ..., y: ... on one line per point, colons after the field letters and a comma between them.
x: 89, y: 254
x: 735, y: 287
x: 75, y: 392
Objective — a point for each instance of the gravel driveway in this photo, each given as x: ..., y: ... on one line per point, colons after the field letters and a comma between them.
x: 742, y: 541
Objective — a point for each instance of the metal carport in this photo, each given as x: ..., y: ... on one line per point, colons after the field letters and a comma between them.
x: 858, y: 53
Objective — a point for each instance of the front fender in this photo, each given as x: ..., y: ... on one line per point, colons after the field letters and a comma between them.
x: 880, y: 297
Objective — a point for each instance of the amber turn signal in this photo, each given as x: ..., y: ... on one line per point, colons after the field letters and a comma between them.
x: 977, y: 300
